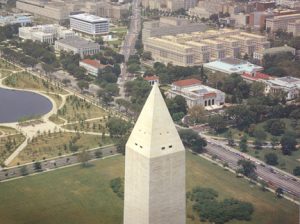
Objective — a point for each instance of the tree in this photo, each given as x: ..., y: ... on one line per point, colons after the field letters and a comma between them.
x: 260, y: 136
x: 82, y: 85
x: 247, y: 168
x: 98, y: 153
x: 197, y: 114
x: 24, y: 171
x: 296, y: 171
x: 271, y: 159
x: 84, y: 158
x: 230, y: 139
x: 217, y: 123
x: 121, y: 144
x: 176, y: 106
x: 191, y: 139
x: 243, y: 143
x: 279, y: 192
x: 275, y: 127
x: 37, y: 166
x: 118, y: 127
x: 274, y: 141
x: 257, y: 89
x: 288, y: 143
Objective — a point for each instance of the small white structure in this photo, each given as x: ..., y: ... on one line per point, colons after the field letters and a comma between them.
x: 45, y: 33
x: 288, y: 85
x: 92, y: 66
x: 232, y: 65
x: 153, y: 79
x: 22, y: 19
x: 77, y: 46
x: 89, y: 24
x: 197, y: 94
x: 154, y: 168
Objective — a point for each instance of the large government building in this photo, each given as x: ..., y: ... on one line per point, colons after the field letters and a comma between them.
x: 201, y: 47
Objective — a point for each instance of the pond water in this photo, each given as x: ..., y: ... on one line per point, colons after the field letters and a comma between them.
x: 16, y: 105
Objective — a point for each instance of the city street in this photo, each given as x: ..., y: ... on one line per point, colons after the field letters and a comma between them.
x: 54, y: 163
x: 273, y: 176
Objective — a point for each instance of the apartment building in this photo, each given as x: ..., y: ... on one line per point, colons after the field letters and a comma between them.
x: 57, y: 11
x: 45, y: 33
x: 281, y: 22
x: 77, y: 46
x: 89, y: 24
x: 201, y: 47
x: 197, y: 94
x: 294, y: 28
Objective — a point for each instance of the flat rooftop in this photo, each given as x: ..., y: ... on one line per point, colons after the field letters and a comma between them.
x: 77, y: 42
x: 88, y: 18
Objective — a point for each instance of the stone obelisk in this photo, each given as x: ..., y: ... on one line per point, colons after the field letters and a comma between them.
x: 154, y: 168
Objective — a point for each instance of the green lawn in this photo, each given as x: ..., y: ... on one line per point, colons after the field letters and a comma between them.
x: 55, y: 144
x: 76, y: 109
x: 285, y: 162
x: 25, y: 80
x: 82, y: 195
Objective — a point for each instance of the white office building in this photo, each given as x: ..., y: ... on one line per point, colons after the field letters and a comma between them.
x: 22, y: 19
x: 77, y: 46
x: 89, y: 24
x: 45, y: 33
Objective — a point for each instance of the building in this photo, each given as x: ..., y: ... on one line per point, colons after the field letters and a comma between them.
x: 288, y: 85
x: 77, y: 46
x: 45, y: 33
x: 22, y: 19
x: 152, y: 79
x: 294, y: 28
x: 255, y: 77
x: 197, y: 48
x: 154, y: 168
x: 92, y: 66
x: 197, y: 94
x: 110, y: 10
x: 89, y: 24
x: 281, y: 22
x: 232, y: 65
x: 292, y: 4
x: 56, y: 11
x: 274, y: 51
x: 169, y: 26
x: 165, y: 5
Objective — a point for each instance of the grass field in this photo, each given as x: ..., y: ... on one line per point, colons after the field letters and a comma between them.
x: 90, y: 126
x: 5, y: 65
x: 82, y: 195
x: 76, y: 109
x: 24, y: 80
x: 4, y: 73
x: 8, y: 144
x: 56, y: 144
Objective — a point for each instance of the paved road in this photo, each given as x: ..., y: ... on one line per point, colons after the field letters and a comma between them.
x: 274, y: 177
x: 128, y: 47
x: 54, y: 163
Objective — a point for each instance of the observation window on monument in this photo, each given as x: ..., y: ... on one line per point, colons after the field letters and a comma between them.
x: 141, y: 146
x: 135, y: 143
x: 170, y: 146
x: 163, y: 148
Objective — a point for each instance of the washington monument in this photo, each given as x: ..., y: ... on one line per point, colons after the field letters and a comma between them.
x: 154, y: 168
